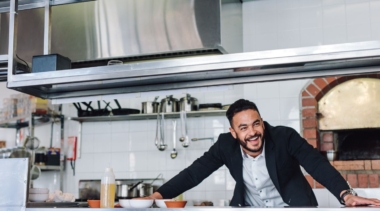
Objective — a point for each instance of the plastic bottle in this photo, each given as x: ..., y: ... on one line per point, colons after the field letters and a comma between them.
x: 107, y: 190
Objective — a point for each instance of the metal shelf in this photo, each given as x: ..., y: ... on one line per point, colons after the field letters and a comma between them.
x: 50, y: 168
x: 147, y: 116
x: 12, y: 123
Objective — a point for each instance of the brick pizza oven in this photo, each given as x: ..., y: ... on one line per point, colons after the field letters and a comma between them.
x: 324, y: 131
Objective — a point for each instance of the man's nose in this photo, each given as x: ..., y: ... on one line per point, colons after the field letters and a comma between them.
x: 252, y: 131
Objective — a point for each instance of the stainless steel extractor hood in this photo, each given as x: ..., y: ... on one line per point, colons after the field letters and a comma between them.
x: 131, y: 30
x: 146, y: 67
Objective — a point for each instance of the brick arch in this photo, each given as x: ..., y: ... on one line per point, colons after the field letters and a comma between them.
x: 310, y: 95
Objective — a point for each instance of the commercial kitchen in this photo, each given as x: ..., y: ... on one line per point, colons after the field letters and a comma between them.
x: 140, y: 88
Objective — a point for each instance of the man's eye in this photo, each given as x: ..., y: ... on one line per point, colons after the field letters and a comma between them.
x: 243, y: 128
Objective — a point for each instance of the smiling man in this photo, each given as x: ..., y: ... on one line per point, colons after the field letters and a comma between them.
x: 265, y: 163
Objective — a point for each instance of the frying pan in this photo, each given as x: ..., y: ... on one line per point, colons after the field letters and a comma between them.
x: 124, y: 111
x: 90, y: 111
x: 81, y: 112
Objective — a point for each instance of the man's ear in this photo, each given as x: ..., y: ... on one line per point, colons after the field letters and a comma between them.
x: 263, y: 123
x: 233, y: 133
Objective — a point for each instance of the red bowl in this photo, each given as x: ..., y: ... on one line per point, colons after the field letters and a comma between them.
x: 175, y: 204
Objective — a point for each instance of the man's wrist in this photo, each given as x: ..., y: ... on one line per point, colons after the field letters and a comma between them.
x: 347, y: 197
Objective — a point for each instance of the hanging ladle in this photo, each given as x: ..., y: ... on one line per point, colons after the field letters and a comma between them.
x: 181, y: 115
x: 162, y: 145
x: 186, y: 143
x: 156, y: 140
x: 174, y: 153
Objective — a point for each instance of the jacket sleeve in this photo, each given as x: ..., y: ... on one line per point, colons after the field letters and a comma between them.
x: 316, y: 165
x: 194, y: 174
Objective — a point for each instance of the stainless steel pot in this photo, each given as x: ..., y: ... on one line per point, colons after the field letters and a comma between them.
x: 169, y: 104
x: 126, y: 191
x: 188, y: 103
x: 145, y: 189
x: 149, y: 107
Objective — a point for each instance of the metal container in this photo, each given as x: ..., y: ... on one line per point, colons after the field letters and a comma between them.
x: 188, y: 103
x: 126, y: 191
x: 149, y: 107
x: 169, y: 104
x: 122, y: 192
x: 145, y: 189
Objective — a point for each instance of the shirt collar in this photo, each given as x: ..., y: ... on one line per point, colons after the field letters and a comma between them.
x: 245, y: 156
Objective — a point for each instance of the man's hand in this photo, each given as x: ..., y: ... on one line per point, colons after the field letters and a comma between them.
x: 155, y: 195
x: 351, y: 201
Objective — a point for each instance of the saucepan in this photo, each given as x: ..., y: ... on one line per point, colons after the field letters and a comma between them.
x: 147, y: 189
x: 188, y: 103
x: 169, y: 104
x: 150, y: 107
x: 126, y: 191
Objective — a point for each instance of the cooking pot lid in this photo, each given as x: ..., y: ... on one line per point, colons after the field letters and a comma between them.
x: 167, y: 99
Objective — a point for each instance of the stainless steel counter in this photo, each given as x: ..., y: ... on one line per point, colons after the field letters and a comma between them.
x: 216, y: 208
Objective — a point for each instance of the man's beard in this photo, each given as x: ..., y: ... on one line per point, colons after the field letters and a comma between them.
x: 244, y: 144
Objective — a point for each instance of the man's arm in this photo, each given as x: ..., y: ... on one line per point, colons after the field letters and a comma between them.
x: 322, y: 171
x: 315, y: 164
x: 192, y: 175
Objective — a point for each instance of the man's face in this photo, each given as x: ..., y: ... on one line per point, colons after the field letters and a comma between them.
x: 248, y: 128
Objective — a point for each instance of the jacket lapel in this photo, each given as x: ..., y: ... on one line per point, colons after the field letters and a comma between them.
x: 237, y: 163
x: 270, y: 158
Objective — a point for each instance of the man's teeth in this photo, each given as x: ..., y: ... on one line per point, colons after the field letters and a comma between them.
x: 253, y: 138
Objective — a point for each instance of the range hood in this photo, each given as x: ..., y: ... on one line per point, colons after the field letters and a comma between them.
x: 150, y: 66
x: 92, y: 33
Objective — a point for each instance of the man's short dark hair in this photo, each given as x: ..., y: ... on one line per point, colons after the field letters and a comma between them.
x: 240, y: 105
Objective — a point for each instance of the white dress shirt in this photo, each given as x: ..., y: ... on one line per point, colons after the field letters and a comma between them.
x: 259, y: 188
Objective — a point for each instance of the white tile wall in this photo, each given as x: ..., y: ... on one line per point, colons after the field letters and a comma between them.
x: 278, y: 24
x: 128, y: 146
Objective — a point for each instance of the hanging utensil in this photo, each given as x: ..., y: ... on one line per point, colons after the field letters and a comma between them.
x: 35, y: 172
x: 174, y: 153
x: 156, y: 139
x: 182, y: 138
x: 201, y: 139
x: 31, y: 143
x: 162, y: 146
x: 186, y: 143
